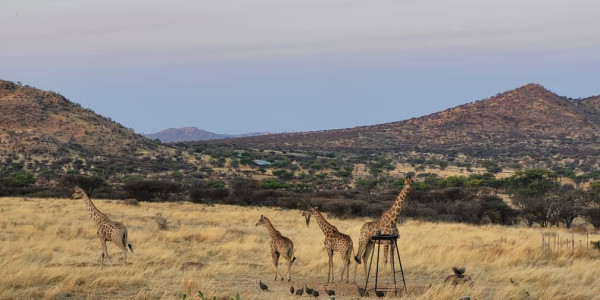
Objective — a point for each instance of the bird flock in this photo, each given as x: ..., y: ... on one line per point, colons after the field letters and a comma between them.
x: 301, y: 291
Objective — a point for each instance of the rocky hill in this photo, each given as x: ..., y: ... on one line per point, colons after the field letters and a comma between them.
x: 44, y: 130
x: 526, y: 121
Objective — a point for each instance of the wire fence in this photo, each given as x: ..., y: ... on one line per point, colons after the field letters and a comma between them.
x: 556, y: 241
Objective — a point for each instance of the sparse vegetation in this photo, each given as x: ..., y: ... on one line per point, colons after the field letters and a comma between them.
x: 218, y: 250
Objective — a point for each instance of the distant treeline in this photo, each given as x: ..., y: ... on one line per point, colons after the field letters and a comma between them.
x: 536, y: 196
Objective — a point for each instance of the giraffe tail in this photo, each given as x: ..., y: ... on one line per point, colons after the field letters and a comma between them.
x: 291, y: 254
x: 125, y: 243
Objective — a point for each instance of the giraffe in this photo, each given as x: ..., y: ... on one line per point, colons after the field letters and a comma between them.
x: 108, y: 230
x: 386, y: 224
x: 335, y: 241
x: 280, y: 246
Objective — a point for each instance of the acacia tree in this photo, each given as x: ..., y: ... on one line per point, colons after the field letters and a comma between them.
x: 570, y: 204
x: 88, y: 183
x: 534, y: 192
x: 366, y: 185
x: 243, y: 189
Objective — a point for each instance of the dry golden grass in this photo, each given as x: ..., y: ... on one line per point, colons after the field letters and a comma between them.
x: 49, y: 250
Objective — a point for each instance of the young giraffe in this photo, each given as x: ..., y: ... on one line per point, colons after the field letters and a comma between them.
x: 280, y: 246
x: 335, y: 241
x: 386, y: 224
x: 108, y: 230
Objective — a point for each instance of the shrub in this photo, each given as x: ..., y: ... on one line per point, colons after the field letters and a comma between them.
x: 147, y: 190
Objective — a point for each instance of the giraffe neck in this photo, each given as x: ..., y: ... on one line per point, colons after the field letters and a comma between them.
x: 392, y: 213
x: 96, y: 215
x: 326, y: 227
x: 272, y: 231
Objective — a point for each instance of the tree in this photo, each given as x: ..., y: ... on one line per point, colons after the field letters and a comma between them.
x: 534, y: 192
x: 283, y: 174
x: 88, y: 183
x: 491, y: 166
x: 146, y: 190
x: 592, y: 214
x: 570, y: 206
x: 243, y: 189
x: 210, y: 189
x: 366, y: 185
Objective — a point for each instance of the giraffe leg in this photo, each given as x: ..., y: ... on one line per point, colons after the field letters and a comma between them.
x: 346, y: 260
x: 355, y: 267
x: 289, y: 269
x: 385, y: 255
x: 330, y: 272
x: 343, y: 267
x: 123, y: 248
x: 392, y: 258
x: 275, y: 256
x: 106, y: 252
x: 102, y: 260
x: 288, y: 257
x: 366, y: 255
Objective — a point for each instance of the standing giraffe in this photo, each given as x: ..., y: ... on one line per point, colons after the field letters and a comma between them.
x: 386, y: 224
x: 335, y: 241
x: 108, y: 230
x: 280, y: 246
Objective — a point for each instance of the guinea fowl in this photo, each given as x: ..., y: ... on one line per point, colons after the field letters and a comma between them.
x: 292, y: 290
x: 300, y: 292
x: 330, y: 292
x: 263, y: 286
x: 308, y: 290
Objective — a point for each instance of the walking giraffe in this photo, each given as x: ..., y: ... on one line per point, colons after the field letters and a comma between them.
x: 335, y: 241
x: 108, y: 230
x: 386, y: 224
x: 280, y: 246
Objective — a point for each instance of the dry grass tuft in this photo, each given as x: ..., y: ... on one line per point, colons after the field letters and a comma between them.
x: 218, y: 250
x: 161, y: 222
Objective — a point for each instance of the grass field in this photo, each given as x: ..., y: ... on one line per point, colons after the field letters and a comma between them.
x: 49, y: 250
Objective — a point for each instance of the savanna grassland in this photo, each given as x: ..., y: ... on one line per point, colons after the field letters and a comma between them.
x: 49, y: 250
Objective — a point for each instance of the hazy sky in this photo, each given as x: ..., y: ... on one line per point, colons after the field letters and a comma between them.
x: 234, y: 66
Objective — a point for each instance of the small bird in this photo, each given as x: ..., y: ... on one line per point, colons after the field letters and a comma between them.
x: 292, y: 290
x: 315, y: 293
x: 379, y: 294
x: 300, y: 292
x: 330, y: 292
x: 361, y: 291
x: 263, y: 286
x: 308, y: 290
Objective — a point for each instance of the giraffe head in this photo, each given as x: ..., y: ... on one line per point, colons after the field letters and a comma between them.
x: 78, y: 193
x: 407, y: 181
x: 308, y: 213
x: 261, y: 221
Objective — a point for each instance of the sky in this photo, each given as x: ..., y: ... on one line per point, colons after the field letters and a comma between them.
x: 237, y: 66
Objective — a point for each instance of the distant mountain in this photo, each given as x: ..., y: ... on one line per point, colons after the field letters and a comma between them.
x: 529, y: 120
x: 193, y: 134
